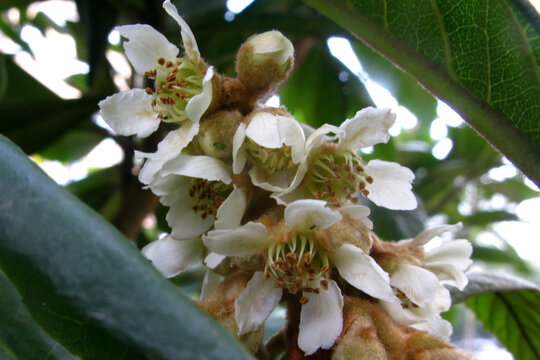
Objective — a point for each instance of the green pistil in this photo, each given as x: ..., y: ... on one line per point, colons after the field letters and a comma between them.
x: 298, y: 265
x: 337, y: 177
x: 270, y: 160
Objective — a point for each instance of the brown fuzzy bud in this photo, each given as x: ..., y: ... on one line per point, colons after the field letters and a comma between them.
x: 220, y: 304
x: 370, y: 333
x: 216, y: 133
x: 264, y: 61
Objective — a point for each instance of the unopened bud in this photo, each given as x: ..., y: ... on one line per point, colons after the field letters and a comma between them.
x: 264, y: 61
x: 216, y: 133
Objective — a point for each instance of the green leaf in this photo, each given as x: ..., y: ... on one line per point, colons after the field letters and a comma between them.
x: 483, y: 218
x: 395, y: 224
x: 20, y: 336
x: 510, y: 311
x: 85, y: 284
x: 481, y: 57
x: 324, y: 98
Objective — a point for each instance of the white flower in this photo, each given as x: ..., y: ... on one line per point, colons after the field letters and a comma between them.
x: 297, y: 261
x: 171, y: 256
x: 274, y: 145
x: 448, y: 261
x: 197, y: 189
x: 182, y: 91
x: 420, y: 288
x: 334, y: 172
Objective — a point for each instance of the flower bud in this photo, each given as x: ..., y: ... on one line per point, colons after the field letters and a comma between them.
x: 216, y: 133
x: 264, y: 61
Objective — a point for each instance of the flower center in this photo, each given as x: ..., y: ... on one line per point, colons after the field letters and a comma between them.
x: 208, y: 196
x: 337, y: 176
x: 270, y: 160
x: 298, y: 265
x: 406, y: 303
x: 175, y: 84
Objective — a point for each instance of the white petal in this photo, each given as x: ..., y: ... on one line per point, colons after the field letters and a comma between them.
x: 436, y: 326
x: 184, y: 222
x: 198, y: 166
x: 171, y: 256
x: 401, y: 315
x: 321, y: 319
x: 231, y: 211
x: 274, y: 131
x: 145, y: 46
x: 418, y: 284
x: 212, y: 260
x: 168, y: 148
x: 190, y: 45
x: 321, y: 134
x: 244, y: 240
x: 359, y: 213
x: 278, y: 181
x: 449, y: 274
x: 310, y: 214
x: 210, y: 282
x: 391, y: 186
x: 197, y: 105
x: 130, y: 113
x: 308, y: 130
x: 425, y: 236
x: 255, y: 303
x: 454, y: 252
x: 238, y: 153
x: 368, y: 127
x: 362, y: 272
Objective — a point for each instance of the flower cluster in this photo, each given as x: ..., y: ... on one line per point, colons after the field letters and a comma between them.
x: 252, y: 191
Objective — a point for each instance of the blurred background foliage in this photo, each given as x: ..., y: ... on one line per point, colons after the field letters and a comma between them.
x: 459, y: 177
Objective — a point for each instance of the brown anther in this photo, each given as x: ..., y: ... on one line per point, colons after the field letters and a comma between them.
x: 325, y: 269
x: 317, y: 291
x: 311, y: 277
x: 324, y: 284
x: 354, y: 200
x: 293, y: 290
x: 292, y: 257
x: 182, y: 82
x: 304, y: 300
x: 362, y: 186
x: 161, y: 61
x: 159, y: 91
x: 365, y: 192
x: 267, y: 275
x: 369, y: 179
x: 347, y: 167
x: 160, y: 116
x: 350, y: 177
x: 149, y: 90
x: 297, y: 269
x: 307, y: 289
x: 359, y: 168
x: 169, y: 64
x: 307, y: 258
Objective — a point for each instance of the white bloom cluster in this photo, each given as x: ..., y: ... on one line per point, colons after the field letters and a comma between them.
x: 250, y: 189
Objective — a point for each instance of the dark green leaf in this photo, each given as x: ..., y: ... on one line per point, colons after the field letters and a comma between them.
x: 513, y: 189
x: 323, y: 98
x: 481, y: 57
x: 512, y: 316
x: 35, y: 123
x: 483, y: 218
x: 86, y: 284
x: 3, y: 77
x: 19, y: 334
x: 73, y: 145
x: 395, y: 224
x: 18, y: 83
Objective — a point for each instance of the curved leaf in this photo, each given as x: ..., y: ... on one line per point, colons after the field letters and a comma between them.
x: 19, y: 334
x: 86, y: 284
x: 481, y: 57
